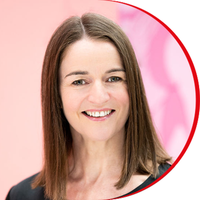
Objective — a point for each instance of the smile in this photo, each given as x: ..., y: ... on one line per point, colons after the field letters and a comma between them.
x: 98, y: 115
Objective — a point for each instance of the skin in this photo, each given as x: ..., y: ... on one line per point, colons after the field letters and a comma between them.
x: 92, y: 78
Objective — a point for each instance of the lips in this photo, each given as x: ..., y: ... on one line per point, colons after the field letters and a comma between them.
x: 98, y: 114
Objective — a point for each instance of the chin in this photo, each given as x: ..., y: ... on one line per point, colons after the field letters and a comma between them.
x: 101, y: 136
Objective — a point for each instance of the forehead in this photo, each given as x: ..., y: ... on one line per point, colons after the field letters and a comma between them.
x: 89, y: 54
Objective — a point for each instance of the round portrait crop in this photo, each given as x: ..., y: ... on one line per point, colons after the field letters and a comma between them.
x: 99, y: 138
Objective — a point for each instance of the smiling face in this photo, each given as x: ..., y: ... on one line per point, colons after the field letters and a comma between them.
x: 93, y: 90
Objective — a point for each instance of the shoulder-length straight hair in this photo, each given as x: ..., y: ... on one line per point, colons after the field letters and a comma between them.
x: 142, y: 149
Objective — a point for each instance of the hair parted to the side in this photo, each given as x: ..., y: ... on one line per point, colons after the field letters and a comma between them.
x: 142, y: 149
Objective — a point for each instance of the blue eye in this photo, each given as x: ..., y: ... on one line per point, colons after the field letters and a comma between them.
x: 79, y: 82
x: 114, y: 79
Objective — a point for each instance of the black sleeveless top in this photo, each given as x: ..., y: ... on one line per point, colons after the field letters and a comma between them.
x: 162, y: 169
x: 23, y: 190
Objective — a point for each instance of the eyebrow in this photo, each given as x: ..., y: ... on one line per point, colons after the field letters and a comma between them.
x: 115, y: 70
x: 85, y: 72
x: 77, y: 73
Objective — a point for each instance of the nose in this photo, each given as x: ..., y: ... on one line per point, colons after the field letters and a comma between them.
x: 98, y: 93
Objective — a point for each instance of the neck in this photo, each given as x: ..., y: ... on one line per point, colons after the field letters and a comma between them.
x: 92, y: 161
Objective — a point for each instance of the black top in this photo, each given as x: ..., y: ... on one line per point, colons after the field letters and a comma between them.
x: 23, y: 191
x: 162, y: 169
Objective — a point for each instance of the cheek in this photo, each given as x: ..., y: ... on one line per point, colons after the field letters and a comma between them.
x: 69, y: 102
x: 124, y: 98
x: 121, y: 95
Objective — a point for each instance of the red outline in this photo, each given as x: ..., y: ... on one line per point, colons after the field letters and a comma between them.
x: 197, y: 96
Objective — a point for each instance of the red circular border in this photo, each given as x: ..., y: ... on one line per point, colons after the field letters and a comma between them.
x: 196, y: 83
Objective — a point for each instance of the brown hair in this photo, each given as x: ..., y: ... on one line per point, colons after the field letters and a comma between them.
x: 141, y: 144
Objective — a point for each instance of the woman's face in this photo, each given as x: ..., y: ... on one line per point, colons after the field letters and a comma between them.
x: 93, y: 90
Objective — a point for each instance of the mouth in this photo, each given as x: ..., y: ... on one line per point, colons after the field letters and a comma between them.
x: 98, y: 114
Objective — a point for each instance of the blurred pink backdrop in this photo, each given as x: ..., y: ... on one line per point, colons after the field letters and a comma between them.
x: 26, y: 27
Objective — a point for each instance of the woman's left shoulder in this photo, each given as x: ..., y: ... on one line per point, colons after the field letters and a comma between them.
x: 163, y: 168
x: 23, y: 191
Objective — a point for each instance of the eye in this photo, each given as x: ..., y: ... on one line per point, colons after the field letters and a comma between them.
x: 79, y: 82
x: 114, y: 79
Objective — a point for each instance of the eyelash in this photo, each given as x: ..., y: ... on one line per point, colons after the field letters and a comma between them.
x: 110, y: 80
x: 115, y: 77
x: 77, y: 82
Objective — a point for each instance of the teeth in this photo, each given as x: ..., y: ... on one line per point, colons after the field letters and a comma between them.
x: 98, y: 114
x: 102, y: 114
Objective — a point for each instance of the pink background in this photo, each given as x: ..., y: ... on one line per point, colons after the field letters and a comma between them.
x: 26, y: 27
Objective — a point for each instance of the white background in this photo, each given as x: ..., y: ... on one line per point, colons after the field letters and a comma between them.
x: 183, y: 17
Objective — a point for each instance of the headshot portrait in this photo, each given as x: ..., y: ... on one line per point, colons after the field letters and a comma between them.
x: 102, y: 109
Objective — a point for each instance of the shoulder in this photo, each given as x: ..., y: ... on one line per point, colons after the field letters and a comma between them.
x: 163, y: 168
x: 23, y: 191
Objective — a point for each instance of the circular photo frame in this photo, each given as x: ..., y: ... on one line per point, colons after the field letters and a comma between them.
x: 168, y: 72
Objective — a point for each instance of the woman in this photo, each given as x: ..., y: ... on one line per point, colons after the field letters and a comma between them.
x: 99, y: 139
